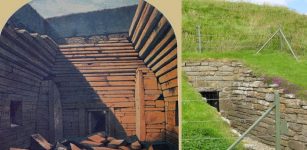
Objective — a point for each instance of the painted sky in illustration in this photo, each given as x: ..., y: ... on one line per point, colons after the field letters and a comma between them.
x: 52, y: 8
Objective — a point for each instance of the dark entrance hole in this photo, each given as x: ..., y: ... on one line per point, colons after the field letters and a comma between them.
x: 16, y: 113
x: 212, y: 98
x: 97, y: 121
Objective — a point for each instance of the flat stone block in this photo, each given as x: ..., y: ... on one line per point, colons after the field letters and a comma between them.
x: 296, y: 145
x: 154, y: 117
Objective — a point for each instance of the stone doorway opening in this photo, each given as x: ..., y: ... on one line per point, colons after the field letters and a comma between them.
x: 16, y: 113
x: 97, y: 121
x: 212, y: 98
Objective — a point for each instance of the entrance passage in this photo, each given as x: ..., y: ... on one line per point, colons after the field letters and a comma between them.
x: 212, y: 98
x: 16, y: 113
x: 97, y: 121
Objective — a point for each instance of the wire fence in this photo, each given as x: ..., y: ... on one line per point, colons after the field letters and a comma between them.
x: 236, y: 41
x: 248, y: 120
x: 204, y: 38
x: 218, y: 32
x: 224, y: 26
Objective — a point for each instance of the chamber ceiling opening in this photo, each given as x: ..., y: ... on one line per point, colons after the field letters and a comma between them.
x: 212, y: 98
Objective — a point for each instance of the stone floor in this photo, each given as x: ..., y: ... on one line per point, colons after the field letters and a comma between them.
x: 251, y: 144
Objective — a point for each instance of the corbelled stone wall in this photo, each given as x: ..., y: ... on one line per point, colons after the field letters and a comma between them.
x: 150, y: 111
x: 155, y: 42
x: 244, y: 97
x: 102, y: 76
x: 26, y: 60
x: 110, y: 21
x: 98, y: 77
x: 94, y: 71
x: 29, y: 19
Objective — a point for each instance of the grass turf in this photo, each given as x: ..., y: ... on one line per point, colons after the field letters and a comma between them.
x: 237, y: 26
x: 244, y: 27
x: 267, y: 64
x: 235, y: 31
x: 214, y: 134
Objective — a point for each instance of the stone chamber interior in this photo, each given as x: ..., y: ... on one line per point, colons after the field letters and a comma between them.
x: 112, y: 70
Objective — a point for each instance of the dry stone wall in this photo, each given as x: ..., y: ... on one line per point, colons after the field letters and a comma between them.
x: 26, y: 60
x: 49, y: 112
x: 96, y: 39
x: 116, y: 20
x: 103, y: 77
x: 94, y: 71
x: 150, y: 116
x: 29, y: 19
x: 97, y: 77
x: 245, y: 96
x: 154, y: 40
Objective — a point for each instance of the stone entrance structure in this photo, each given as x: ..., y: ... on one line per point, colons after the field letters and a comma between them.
x: 244, y: 96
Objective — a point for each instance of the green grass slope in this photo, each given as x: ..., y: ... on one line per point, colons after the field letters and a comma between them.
x: 269, y: 65
x: 212, y: 134
x: 236, y: 26
x: 238, y: 30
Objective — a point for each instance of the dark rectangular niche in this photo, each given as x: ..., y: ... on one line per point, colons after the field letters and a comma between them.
x: 16, y: 113
x: 212, y: 98
x: 97, y: 121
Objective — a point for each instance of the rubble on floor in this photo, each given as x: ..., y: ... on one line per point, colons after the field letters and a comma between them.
x: 97, y: 141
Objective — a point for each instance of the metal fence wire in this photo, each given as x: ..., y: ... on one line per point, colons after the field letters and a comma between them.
x: 204, y: 39
x: 252, y: 122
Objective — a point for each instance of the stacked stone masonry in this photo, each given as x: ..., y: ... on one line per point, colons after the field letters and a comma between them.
x: 129, y: 77
x: 98, y: 77
x: 81, y: 78
x: 150, y: 106
x: 26, y: 62
x: 102, y: 77
x: 154, y: 40
x: 244, y: 97
x: 96, y: 39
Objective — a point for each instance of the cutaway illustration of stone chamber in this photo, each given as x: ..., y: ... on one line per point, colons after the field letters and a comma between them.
x: 101, y: 79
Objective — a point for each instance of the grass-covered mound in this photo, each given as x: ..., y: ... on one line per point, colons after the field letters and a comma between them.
x: 237, y: 30
x: 236, y: 26
x: 202, y: 127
